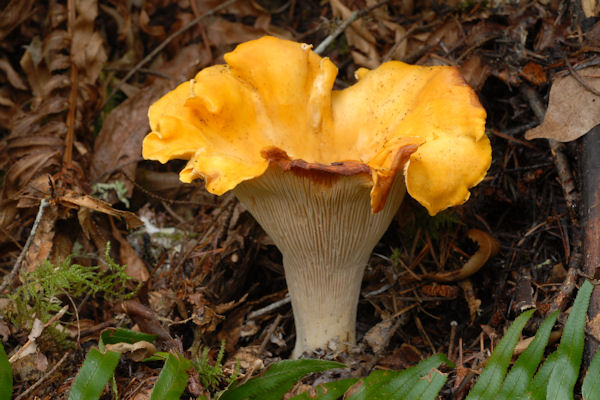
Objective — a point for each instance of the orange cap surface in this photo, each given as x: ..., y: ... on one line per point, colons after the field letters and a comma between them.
x: 277, y: 94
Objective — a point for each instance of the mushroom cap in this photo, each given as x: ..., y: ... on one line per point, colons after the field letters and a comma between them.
x: 274, y: 101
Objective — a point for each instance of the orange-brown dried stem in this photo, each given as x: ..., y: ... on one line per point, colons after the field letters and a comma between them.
x: 488, y: 247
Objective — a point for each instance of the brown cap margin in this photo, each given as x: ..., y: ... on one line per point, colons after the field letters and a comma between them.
x: 321, y: 173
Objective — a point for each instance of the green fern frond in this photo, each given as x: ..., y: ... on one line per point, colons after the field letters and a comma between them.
x: 211, y: 376
x: 43, y: 290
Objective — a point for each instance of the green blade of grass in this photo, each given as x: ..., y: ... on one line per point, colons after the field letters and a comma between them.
x: 521, y: 373
x: 564, y: 376
x: 6, y: 376
x: 389, y: 385
x: 428, y: 387
x: 492, y: 376
x: 278, y: 380
x: 591, y: 383
x: 173, y: 378
x: 537, y: 388
x: 120, y: 335
x: 95, y: 372
x: 328, y: 391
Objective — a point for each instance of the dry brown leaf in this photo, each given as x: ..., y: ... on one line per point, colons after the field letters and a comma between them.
x: 55, y: 42
x: 21, y: 172
x: 207, y: 319
x: 593, y: 327
x: 482, y: 32
x: 472, y: 301
x: 4, y: 329
x: 399, y: 34
x: 249, y: 328
x: 378, y: 337
x: 156, y: 31
x: 41, y: 245
x: 358, y: 37
x: 162, y: 301
x: 87, y: 50
x: 447, y: 35
x: 239, y: 8
x: 593, y: 35
x: 155, y: 181
x: 118, y: 147
x: 231, y: 329
x: 13, y: 13
x: 222, y: 32
x: 86, y: 201
x: 145, y: 318
x: 62, y: 247
x: 37, y: 74
x: 137, y: 351
x: 246, y: 358
x: 534, y: 73
x: 591, y: 8
x: 6, y: 101
x: 548, y: 35
x: 572, y: 110
x: 122, y: 16
x: 523, y: 344
x: 27, y: 368
x: 144, y: 393
x: 135, y: 266
x: 475, y: 71
x: 13, y: 77
x: 89, y: 228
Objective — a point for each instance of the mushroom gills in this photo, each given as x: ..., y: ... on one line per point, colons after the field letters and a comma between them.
x: 324, y: 227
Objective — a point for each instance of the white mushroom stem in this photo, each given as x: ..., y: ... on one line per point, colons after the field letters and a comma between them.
x: 323, y: 225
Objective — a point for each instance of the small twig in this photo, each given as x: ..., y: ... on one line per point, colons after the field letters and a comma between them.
x: 379, y: 291
x: 398, y: 43
x: 342, y: 27
x: 76, y: 315
x: 9, y: 278
x: 144, y: 71
x: 404, y: 310
x: 453, y: 325
x: 43, y: 378
x: 33, y: 336
x: 271, y: 330
x: 579, y: 79
x: 164, y: 44
x: 392, y: 50
x: 11, y: 237
x: 560, y: 159
x: 509, y: 137
x: 566, y: 289
x: 70, y: 137
x: 161, y: 198
x: 270, y: 307
x: 424, y: 334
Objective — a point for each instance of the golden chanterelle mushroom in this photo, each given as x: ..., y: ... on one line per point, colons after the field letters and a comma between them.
x: 323, y: 171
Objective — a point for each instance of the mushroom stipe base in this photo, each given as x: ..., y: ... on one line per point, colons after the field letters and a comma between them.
x: 326, y: 233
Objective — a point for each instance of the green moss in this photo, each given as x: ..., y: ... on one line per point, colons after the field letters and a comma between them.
x: 45, y: 290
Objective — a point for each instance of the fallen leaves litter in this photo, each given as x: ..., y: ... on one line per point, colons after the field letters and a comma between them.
x: 137, y: 351
x: 572, y: 110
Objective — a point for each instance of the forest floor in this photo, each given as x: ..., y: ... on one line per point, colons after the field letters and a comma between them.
x: 76, y: 81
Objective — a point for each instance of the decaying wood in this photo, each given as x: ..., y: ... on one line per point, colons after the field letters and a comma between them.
x: 591, y: 217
